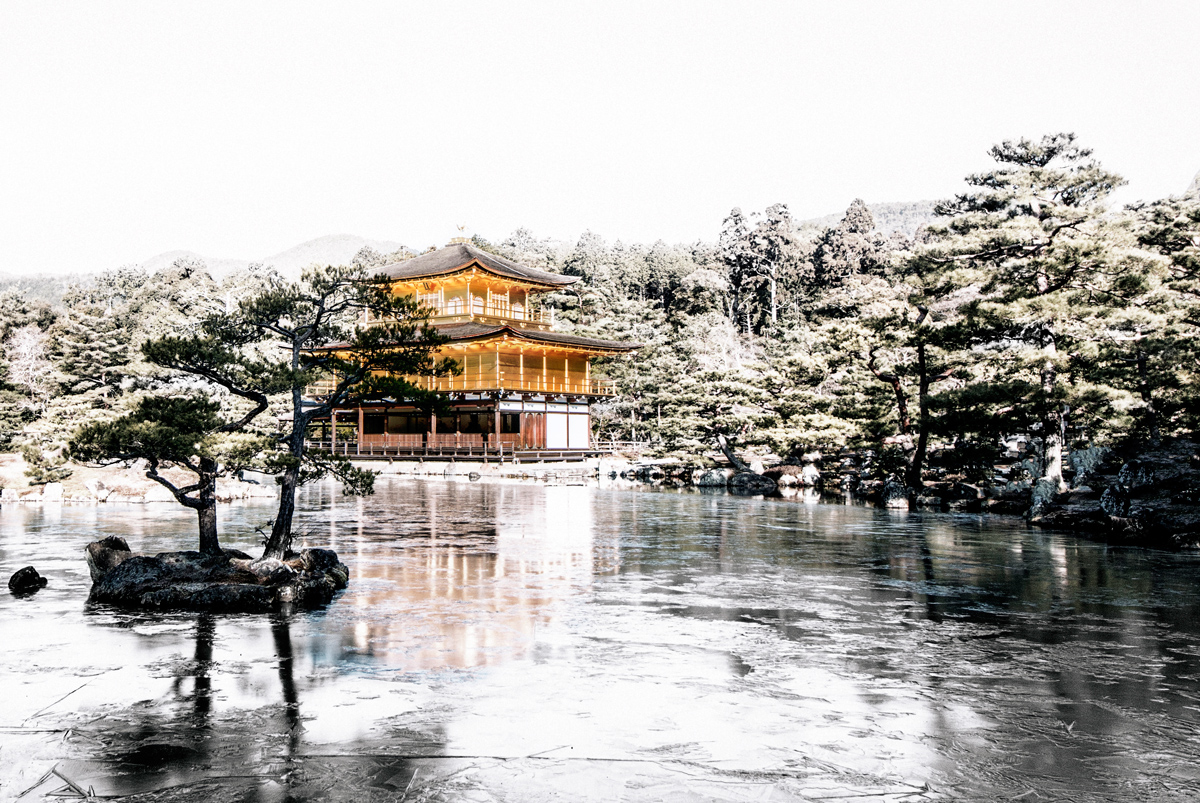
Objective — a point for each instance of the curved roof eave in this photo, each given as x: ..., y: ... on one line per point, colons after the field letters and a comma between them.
x: 461, y: 256
x: 474, y: 331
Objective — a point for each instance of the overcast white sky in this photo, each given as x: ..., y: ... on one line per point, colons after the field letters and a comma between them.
x: 240, y: 129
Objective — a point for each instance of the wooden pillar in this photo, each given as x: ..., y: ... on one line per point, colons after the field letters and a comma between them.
x: 358, y: 446
x: 567, y: 373
x: 332, y: 430
x: 587, y: 375
x: 496, y: 425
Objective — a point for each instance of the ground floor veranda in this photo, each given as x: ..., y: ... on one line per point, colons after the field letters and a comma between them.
x: 473, y: 426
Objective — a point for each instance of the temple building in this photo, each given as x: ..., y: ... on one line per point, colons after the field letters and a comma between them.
x: 524, y: 388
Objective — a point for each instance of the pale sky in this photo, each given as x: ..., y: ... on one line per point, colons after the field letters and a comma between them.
x: 240, y: 129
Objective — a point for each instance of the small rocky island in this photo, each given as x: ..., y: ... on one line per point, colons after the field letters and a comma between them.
x: 230, y: 581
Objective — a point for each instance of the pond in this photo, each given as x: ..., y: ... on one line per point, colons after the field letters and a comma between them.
x: 513, y: 641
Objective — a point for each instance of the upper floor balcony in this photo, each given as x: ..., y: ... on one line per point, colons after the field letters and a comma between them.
x: 494, y: 310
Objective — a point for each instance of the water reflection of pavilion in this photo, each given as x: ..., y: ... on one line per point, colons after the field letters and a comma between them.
x: 471, y: 574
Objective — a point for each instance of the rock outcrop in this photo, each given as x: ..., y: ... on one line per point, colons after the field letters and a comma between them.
x: 893, y: 495
x: 105, y: 555
x: 711, y: 478
x: 1151, y: 498
x: 230, y: 582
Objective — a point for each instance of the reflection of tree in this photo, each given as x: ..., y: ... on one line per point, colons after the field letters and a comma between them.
x: 173, y: 746
x: 281, y: 632
x: 201, y: 666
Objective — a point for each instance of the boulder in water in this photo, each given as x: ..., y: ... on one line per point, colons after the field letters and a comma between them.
x: 712, y: 478
x: 894, y: 495
x: 747, y: 482
x: 1150, y: 497
x: 26, y: 581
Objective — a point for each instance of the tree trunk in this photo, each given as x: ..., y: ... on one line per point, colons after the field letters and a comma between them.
x: 206, y: 511
x: 280, y: 542
x: 1053, y: 422
x: 1147, y: 396
x: 916, y: 463
x: 209, y: 545
x: 893, y: 380
x: 901, y: 404
x: 735, y: 461
x: 774, y: 298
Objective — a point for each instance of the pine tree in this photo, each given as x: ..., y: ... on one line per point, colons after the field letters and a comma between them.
x: 1029, y: 251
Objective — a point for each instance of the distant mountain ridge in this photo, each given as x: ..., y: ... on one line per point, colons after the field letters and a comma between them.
x: 340, y: 249
x: 332, y: 249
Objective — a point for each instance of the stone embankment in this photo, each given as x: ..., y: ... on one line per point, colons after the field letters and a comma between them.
x: 230, y: 582
x: 1146, y: 496
x: 1150, y: 497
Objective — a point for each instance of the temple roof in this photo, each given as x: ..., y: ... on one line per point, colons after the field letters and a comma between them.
x: 458, y: 256
x: 458, y: 332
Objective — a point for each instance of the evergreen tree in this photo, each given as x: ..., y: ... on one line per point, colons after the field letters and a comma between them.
x: 1161, y: 321
x: 191, y: 431
x: 852, y: 247
x: 309, y: 332
x: 1028, y: 250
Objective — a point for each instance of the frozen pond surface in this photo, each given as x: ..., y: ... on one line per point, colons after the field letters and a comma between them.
x: 523, y: 643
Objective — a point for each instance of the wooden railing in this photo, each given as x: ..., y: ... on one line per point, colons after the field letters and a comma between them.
x: 502, y: 382
x: 507, y: 312
x: 503, y: 450
x: 506, y: 381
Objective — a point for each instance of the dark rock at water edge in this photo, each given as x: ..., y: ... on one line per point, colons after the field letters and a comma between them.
x: 229, y: 582
x: 894, y: 495
x: 105, y: 555
x: 26, y: 581
x: 1148, y: 498
x: 747, y: 482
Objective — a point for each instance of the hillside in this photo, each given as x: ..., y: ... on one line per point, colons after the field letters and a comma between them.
x: 905, y: 217
x: 332, y: 249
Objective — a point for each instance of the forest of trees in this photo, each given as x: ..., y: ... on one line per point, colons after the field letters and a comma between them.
x: 1027, y: 306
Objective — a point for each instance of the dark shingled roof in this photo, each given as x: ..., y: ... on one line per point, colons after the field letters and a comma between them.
x: 458, y: 255
x: 480, y: 331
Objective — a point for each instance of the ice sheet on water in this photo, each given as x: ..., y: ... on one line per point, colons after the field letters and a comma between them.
x: 499, y: 642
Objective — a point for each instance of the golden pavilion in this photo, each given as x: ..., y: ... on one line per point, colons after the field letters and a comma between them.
x: 524, y: 387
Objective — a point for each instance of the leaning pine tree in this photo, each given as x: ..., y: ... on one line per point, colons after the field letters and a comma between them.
x: 342, y: 329
x: 276, y: 344
x: 189, y: 430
